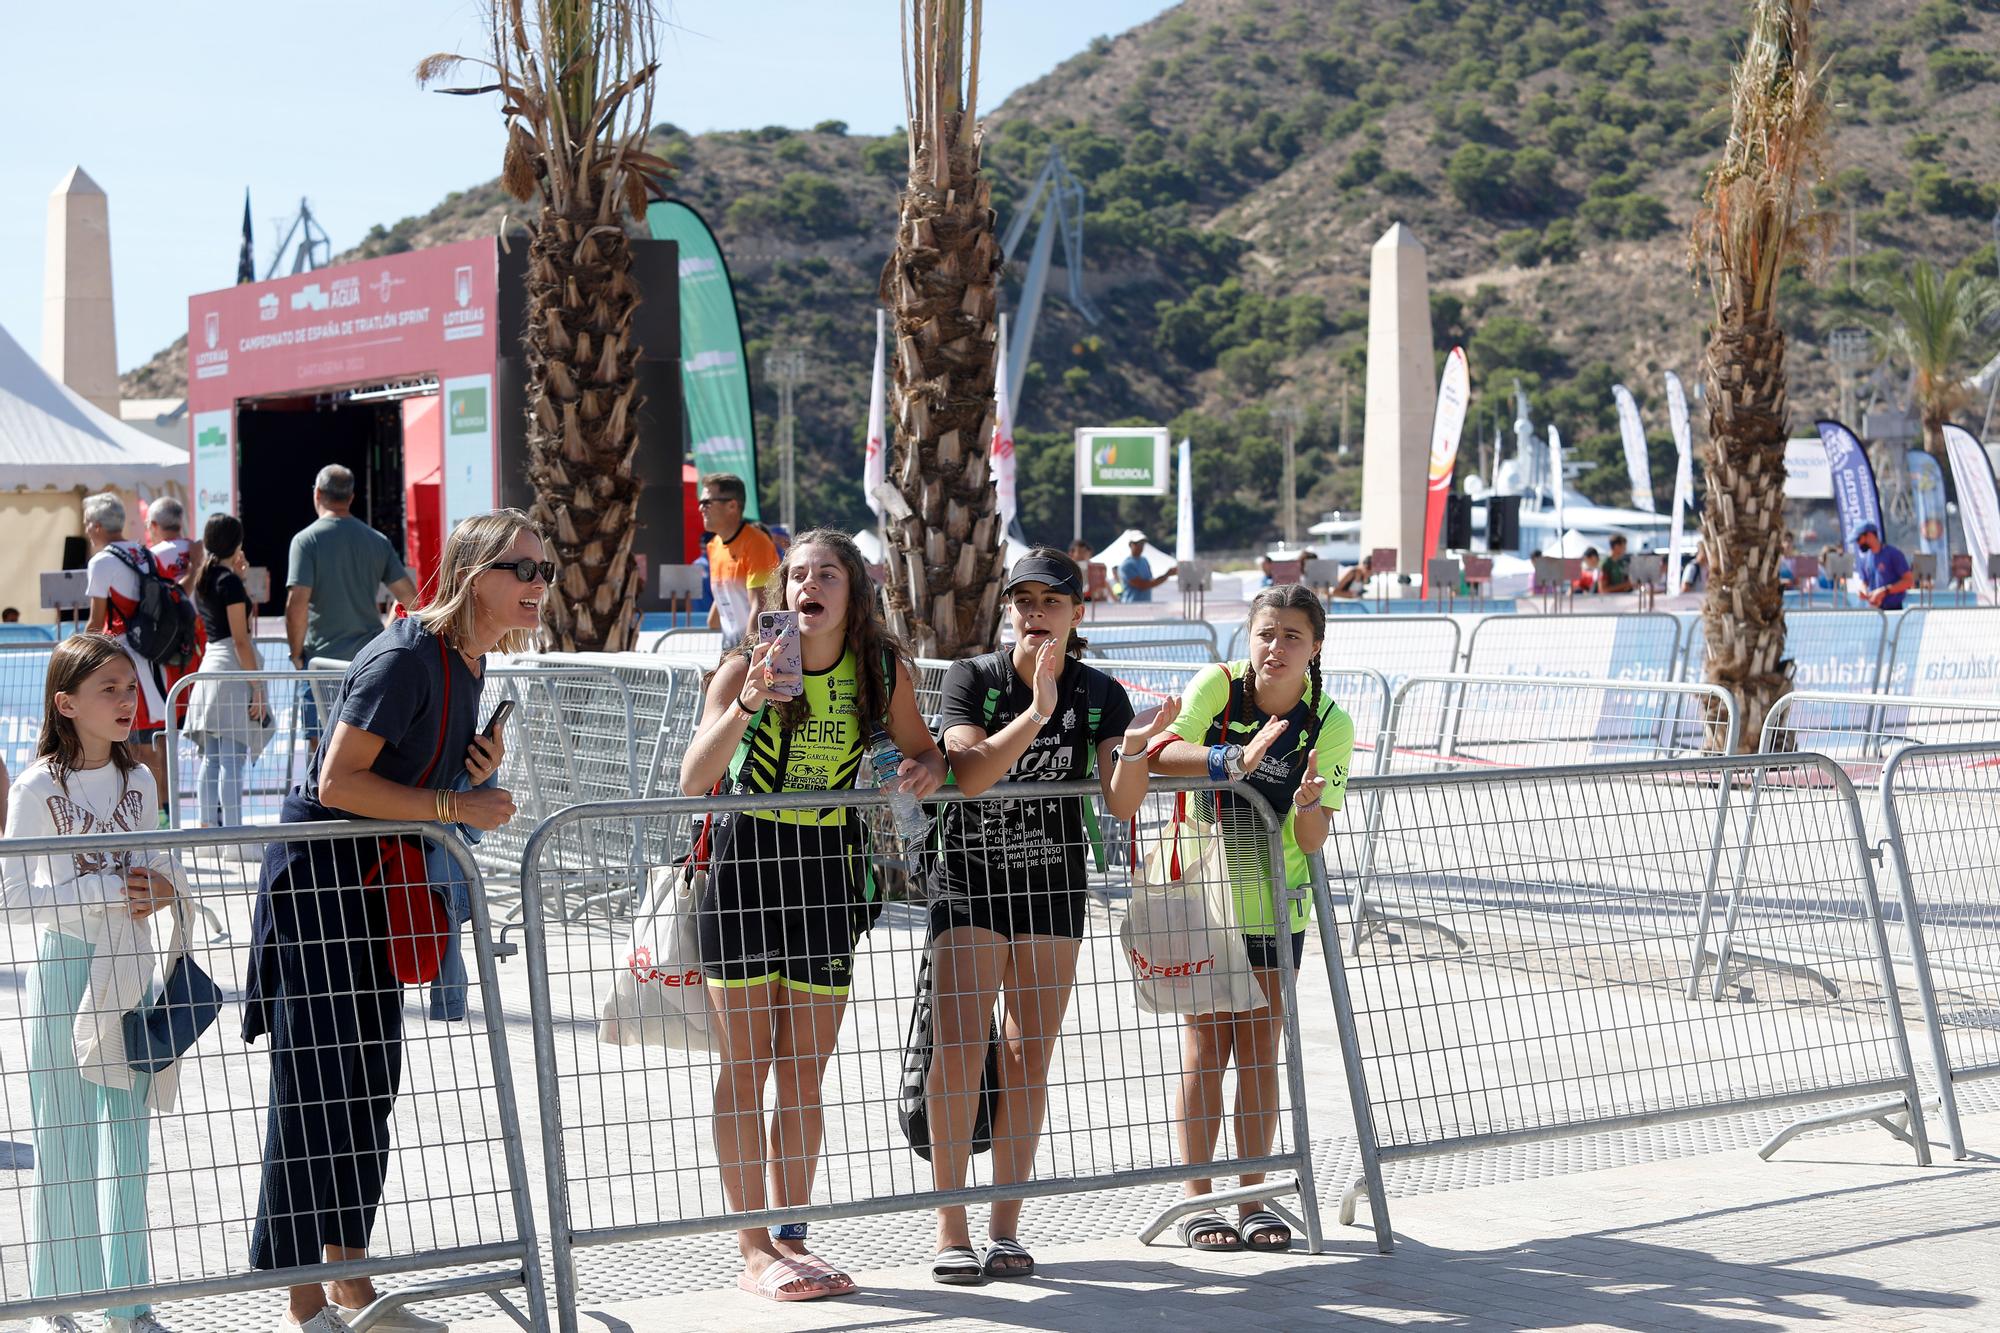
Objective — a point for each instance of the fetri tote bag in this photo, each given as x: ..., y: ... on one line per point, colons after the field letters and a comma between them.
x: 1179, y: 935
x: 159, y: 1033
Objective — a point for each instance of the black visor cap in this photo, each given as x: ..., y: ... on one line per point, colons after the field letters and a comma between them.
x: 1060, y: 575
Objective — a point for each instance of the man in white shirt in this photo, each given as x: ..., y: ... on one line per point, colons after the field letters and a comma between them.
x: 115, y: 590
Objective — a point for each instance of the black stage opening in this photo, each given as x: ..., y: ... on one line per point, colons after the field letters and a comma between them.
x: 281, y: 446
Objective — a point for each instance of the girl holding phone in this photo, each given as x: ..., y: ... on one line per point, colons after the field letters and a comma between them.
x: 777, y: 922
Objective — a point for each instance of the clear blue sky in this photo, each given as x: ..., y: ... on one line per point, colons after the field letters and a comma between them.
x: 175, y: 108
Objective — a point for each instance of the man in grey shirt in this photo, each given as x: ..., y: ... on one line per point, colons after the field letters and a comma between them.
x: 336, y: 565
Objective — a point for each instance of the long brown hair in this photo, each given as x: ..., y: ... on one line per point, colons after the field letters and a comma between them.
x: 1295, y: 597
x: 75, y: 660
x: 867, y: 637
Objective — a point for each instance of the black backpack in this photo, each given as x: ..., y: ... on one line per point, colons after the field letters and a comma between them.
x: 161, y: 628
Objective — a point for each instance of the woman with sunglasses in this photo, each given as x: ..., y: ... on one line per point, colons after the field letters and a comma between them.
x: 403, y: 729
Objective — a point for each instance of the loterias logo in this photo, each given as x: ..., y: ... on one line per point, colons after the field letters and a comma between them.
x: 213, y: 361
x: 213, y: 438
x: 467, y: 412
x: 468, y: 320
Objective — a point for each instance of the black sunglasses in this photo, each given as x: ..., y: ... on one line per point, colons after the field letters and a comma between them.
x: 525, y: 570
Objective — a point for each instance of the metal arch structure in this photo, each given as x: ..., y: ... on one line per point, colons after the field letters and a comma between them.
x: 1058, y: 196
x: 314, y: 251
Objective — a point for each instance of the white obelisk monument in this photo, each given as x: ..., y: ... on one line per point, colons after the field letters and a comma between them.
x: 79, y: 343
x: 1402, y: 398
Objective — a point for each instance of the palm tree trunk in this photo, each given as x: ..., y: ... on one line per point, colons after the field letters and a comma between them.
x: 1742, y: 612
x: 583, y: 428
x: 940, y: 285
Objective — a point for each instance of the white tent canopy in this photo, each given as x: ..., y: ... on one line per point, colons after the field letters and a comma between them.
x: 1120, y: 551
x: 51, y: 439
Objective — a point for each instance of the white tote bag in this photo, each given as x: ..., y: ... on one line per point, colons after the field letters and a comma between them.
x: 658, y: 996
x: 1180, y: 937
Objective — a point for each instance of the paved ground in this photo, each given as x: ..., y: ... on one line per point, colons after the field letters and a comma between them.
x: 1841, y: 1231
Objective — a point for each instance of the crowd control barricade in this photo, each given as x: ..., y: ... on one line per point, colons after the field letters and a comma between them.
x: 1579, y: 897
x: 690, y: 641
x: 1861, y: 731
x: 628, y: 1108
x: 272, y: 764
x: 24, y: 670
x: 1941, y: 811
x: 1944, y: 652
x: 1834, y: 649
x: 1395, y: 645
x: 183, y: 1187
x: 1448, y: 723
x: 1634, y: 645
x: 1177, y: 640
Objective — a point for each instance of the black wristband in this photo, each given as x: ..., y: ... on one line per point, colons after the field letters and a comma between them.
x: 748, y: 711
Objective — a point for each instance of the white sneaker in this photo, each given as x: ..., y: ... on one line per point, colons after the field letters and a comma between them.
x: 402, y: 1319
x: 54, y: 1323
x: 328, y: 1320
x: 144, y: 1323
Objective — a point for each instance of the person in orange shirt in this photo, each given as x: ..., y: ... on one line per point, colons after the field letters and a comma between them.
x: 741, y: 555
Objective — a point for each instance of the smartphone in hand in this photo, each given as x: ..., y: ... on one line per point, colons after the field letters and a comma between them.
x: 781, y: 629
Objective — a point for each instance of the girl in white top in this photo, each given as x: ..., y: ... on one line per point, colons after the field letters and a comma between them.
x: 91, y: 1109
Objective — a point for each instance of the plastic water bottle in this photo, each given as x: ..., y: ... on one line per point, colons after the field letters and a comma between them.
x: 884, y: 759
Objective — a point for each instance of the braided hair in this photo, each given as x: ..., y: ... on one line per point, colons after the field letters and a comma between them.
x: 1297, y: 597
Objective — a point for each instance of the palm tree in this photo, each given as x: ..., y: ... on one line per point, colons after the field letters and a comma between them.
x: 575, y: 79
x: 940, y: 285
x: 1933, y: 324
x: 1753, y: 224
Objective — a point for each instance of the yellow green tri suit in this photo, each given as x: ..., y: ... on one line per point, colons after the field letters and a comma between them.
x: 1220, y: 708
x: 782, y: 886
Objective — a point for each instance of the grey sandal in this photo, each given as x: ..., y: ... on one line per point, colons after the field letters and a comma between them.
x: 1010, y: 1250
x: 1207, y: 1224
x: 1264, y: 1223
x: 957, y: 1266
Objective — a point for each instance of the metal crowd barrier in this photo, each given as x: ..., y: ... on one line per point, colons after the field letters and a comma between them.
x: 1580, y: 898
x: 1397, y: 646
x: 1835, y: 648
x: 1468, y: 721
x: 1944, y: 652
x: 1941, y: 811
x: 1861, y: 730
x: 690, y: 642
x: 107, y: 1206
x: 626, y: 1111
x: 1637, y: 645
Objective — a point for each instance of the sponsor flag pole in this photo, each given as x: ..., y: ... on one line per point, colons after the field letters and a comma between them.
x: 1556, y: 480
x: 715, y: 379
x: 1978, y: 504
x: 874, y: 467
x: 1004, y: 486
x: 1637, y: 465
x: 1853, y: 478
x: 1454, y: 390
x: 1677, y: 420
x: 1184, y: 508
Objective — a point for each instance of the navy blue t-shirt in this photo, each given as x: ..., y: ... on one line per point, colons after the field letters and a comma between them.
x: 395, y: 688
x: 1881, y: 568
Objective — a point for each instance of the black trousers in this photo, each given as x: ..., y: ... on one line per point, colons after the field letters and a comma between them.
x: 335, y: 1020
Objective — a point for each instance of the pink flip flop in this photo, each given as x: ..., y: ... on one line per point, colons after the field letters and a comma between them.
x: 845, y: 1282
x: 771, y: 1283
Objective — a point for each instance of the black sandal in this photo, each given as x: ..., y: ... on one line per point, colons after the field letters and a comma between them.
x: 1008, y: 1249
x: 1261, y: 1223
x: 1205, y: 1224
x: 957, y: 1266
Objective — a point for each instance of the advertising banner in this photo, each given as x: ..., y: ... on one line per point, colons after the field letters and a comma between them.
x: 1978, y: 504
x: 213, y: 448
x: 715, y: 381
x: 424, y: 312
x: 1007, y: 500
x: 1677, y: 421
x: 1853, y: 481
x: 1807, y: 476
x: 1454, y: 391
x: 1184, y: 510
x: 875, y: 462
x: 1633, y: 432
x: 1121, y: 460
x: 468, y: 448
x: 1927, y: 499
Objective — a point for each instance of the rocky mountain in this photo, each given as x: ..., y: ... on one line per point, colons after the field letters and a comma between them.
x: 1240, y: 157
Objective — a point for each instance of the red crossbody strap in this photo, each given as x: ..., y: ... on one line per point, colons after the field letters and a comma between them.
x: 444, y: 717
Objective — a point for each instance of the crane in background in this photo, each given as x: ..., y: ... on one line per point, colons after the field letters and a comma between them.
x: 1058, y: 197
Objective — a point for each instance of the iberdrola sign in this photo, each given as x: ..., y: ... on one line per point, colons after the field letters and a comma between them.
x: 1121, y: 460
